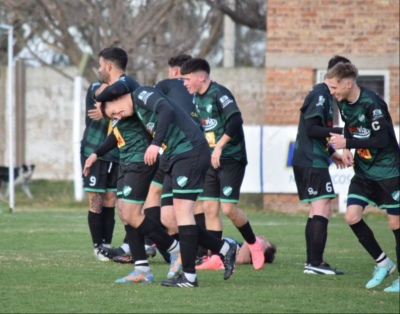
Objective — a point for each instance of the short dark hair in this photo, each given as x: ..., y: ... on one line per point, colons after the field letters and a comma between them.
x: 179, y: 60
x: 194, y: 65
x: 116, y: 55
x: 269, y: 253
x: 335, y: 60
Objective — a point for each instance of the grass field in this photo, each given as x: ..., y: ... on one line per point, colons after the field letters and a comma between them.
x: 47, y: 266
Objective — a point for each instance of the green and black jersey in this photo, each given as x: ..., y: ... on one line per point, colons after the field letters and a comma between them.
x: 179, y: 94
x: 170, y: 126
x: 369, y: 129
x: 313, y: 151
x: 215, y: 107
x: 96, y: 131
x: 132, y: 140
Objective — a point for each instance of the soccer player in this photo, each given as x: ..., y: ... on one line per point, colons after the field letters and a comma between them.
x: 101, y: 182
x: 369, y: 130
x: 223, y: 125
x: 311, y: 159
x: 187, y: 159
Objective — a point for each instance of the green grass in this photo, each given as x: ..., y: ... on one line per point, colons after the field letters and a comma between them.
x: 47, y: 266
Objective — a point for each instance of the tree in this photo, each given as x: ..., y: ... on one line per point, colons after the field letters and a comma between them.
x: 58, y: 32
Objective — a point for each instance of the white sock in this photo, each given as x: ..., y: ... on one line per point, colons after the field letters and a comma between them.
x: 190, y: 277
x: 125, y: 247
x: 224, y: 248
x: 174, y: 248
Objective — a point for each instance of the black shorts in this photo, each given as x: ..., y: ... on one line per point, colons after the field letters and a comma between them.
x: 382, y: 193
x: 102, y: 176
x: 313, y: 183
x: 223, y: 184
x: 134, y: 181
x: 187, y: 172
x: 167, y: 195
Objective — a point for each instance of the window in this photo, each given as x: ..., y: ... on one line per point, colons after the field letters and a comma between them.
x: 376, y: 80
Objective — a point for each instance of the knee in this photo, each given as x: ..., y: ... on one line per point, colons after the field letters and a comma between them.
x: 351, y: 218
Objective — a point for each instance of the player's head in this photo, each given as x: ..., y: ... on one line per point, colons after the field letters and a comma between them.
x: 196, y: 73
x: 335, y: 60
x: 195, y: 65
x: 341, y: 80
x: 111, y: 59
x: 175, y: 63
x: 268, y: 248
x: 120, y: 108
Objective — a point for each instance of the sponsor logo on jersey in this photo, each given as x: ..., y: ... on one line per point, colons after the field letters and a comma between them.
x: 364, y: 153
x: 126, y: 190
x: 210, y: 124
x: 311, y: 191
x: 144, y: 96
x: 225, y: 101
x: 321, y: 101
x: 360, y: 132
x: 227, y: 190
x: 150, y: 127
x: 182, y: 181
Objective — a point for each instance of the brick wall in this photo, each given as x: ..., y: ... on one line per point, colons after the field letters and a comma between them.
x: 303, y: 35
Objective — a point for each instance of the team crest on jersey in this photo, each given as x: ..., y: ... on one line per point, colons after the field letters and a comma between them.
x: 321, y: 101
x: 227, y: 190
x: 361, y: 117
x: 209, y: 108
x: 210, y: 124
x: 225, y: 101
x: 377, y: 113
x: 396, y: 195
x: 182, y: 181
x: 144, y: 96
x: 364, y: 153
x: 126, y: 190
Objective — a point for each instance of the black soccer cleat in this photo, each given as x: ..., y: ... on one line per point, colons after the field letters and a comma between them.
x: 180, y: 282
x: 229, y: 260
x: 111, y: 252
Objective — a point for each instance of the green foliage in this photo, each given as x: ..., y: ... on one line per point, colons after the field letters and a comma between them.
x: 47, y: 266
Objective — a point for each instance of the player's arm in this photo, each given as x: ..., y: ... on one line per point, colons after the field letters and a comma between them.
x: 166, y: 116
x: 315, y: 128
x: 109, y: 143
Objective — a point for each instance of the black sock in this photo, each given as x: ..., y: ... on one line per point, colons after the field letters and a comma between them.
x: 318, y: 229
x: 136, y: 243
x: 308, y: 240
x: 95, y: 227
x: 209, y: 241
x: 108, y: 222
x: 367, y: 239
x: 247, y: 233
x: 188, y: 244
x: 151, y: 229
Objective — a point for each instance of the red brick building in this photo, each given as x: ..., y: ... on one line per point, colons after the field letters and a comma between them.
x: 303, y: 35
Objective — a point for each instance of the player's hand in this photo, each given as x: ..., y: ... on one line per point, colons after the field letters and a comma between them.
x: 337, y: 160
x: 348, y: 158
x: 151, y: 155
x: 95, y: 114
x: 215, y: 157
x: 89, y: 162
x: 337, y: 141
